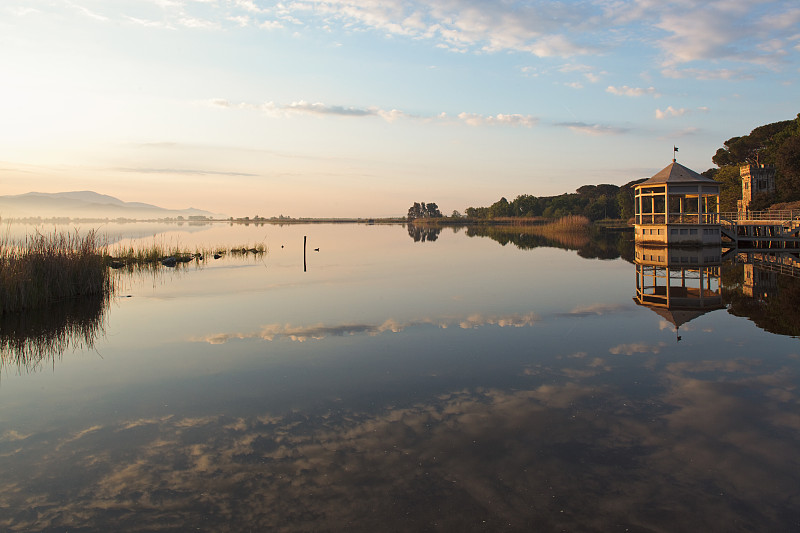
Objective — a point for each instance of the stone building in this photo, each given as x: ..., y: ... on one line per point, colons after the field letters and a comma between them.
x: 755, y: 179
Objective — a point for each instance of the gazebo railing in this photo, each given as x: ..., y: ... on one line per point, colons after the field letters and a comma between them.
x: 678, y: 218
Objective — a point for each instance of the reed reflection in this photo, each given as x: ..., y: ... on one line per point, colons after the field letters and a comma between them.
x: 34, y: 338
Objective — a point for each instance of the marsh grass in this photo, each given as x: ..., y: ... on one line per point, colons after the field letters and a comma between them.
x: 158, y: 255
x: 55, y: 289
x: 572, y: 224
x: 571, y: 231
x: 47, y: 268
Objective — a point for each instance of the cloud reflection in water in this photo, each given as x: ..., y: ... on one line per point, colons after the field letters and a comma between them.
x: 569, y: 452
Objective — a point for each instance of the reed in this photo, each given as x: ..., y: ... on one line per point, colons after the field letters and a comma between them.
x: 572, y: 232
x: 48, y: 268
x: 564, y: 225
x: 156, y: 255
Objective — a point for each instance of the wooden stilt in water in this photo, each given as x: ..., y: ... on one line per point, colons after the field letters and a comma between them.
x: 305, y: 237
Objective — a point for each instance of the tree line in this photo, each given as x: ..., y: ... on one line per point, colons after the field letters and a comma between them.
x: 775, y: 144
x: 592, y: 201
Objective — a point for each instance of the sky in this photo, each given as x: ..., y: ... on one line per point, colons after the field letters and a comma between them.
x: 358, y: 108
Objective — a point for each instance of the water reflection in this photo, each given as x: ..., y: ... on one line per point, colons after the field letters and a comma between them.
x: 596, y: 244
x: 34, y: 338
x: 567, y: 452
x: 765, y: 287
x: 302, y: 333
x: 301, y: 405
x: 680, y: 284
x: 423, y: 233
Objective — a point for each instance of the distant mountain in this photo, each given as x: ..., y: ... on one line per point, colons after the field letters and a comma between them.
x: 86, y: 204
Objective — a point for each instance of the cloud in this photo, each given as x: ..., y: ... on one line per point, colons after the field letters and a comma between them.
x: 707, y: 74
x: 192, y: 171
x: 242, y: 21
x: 474, y: 119
x: 544, y: 29
x: 587, y: 71
x: 703, y: 32
x: 149, y: 23
x: 249, y: 5
x: 303, y: 107
x: 592, y: 129
x: 88, y: 13
x: 196, y: 23
x: 321, y: 109
x: 592, y: 77
x: 673, y: 112
x: 670, y: 112
x: 632, y: 91
x: 270, y: 25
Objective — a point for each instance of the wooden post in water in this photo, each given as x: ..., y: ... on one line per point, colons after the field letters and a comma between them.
x: 304, y: 252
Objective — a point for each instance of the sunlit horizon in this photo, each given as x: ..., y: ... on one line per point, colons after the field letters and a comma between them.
x: 352, y: 109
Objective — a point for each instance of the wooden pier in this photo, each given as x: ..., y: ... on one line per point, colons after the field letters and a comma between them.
x: 761, y: 230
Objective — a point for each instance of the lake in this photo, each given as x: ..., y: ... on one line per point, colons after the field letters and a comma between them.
x: 394, y: 380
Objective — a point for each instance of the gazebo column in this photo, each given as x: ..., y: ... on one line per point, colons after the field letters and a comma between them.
x: 638, y: 209
x: 702, y: 293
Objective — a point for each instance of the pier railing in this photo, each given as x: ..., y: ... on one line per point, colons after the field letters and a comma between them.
x: 784, y: 215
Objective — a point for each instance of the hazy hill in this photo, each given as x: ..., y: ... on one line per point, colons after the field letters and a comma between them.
x: 85, y: 204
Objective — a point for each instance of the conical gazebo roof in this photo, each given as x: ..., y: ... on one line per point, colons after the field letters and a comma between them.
x: 680, y: 316
x: 677, y: 173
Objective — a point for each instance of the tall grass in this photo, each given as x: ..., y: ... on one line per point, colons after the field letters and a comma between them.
x: 571, y: 231
x: 48, y: 268
x: 156, y: 255
x: 564, y: 225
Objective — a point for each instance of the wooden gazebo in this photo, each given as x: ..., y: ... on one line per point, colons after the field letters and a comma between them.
x: 677, y: 206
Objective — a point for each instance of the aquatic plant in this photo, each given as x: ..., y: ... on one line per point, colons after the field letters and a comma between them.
x: 157, y: 255
x: 46, y: 268
x: 49, y: 268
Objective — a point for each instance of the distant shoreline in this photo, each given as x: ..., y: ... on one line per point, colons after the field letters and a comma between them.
x: 444, y: 221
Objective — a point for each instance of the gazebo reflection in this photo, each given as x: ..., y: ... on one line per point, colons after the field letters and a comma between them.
x: 680, y: 284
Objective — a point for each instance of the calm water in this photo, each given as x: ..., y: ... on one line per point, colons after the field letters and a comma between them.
x: 398, y: 384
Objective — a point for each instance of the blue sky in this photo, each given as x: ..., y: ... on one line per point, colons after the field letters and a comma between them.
x: 360, y: 108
